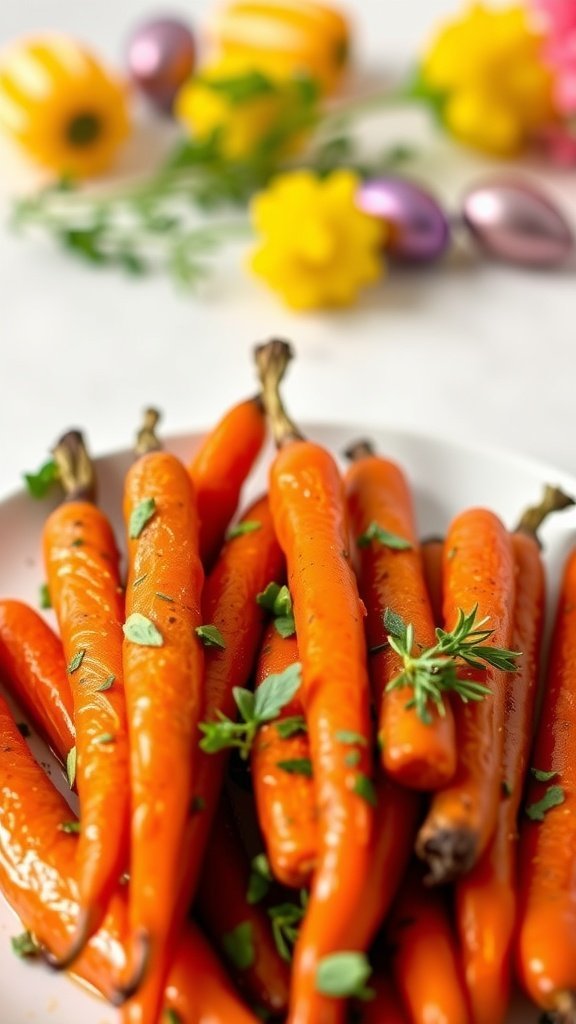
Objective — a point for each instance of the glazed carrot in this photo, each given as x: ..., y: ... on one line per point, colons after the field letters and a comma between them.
x: 37, y: 877
x: 416, y: 753
x: 486, y: 899
x: 163, y: 670
x: 225, y: 913
x: 219, y: 468
x: 385, y: 1007
x: 244, y: 568
x: 286, y: 804
x: 83, y: 578
x: 546, y: 949
x: 33, y: 667
x: 478, y: 572
x: 308, y: 507
x: 432, y: 549
x: 425, y: 956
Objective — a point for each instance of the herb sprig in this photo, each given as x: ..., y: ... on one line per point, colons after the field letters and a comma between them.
x: 434, y: 671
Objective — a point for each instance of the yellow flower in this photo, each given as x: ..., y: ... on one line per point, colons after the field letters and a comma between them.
x: 61, y: 106
x: 487, y: 68
x: 317, y: 248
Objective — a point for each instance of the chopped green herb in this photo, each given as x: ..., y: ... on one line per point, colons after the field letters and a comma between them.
x: 248, y: 526
x: 211, y: 636
x: 140, y: 516
x: 352, y: 758
x: 140, y: 580
x: 288, y: 727
x: 286, y: 919
x: 364, y: 787
x: 106, y: 685
x: 259, y: 881
x: 541, y: 776
x: 383, y: 537
x: 452, y: 553
x: 105, y: 738
x: 39, y: 484
x: 164, y: 597
x: 78, y: 542
x: 343, y: 975
x: 285, y: 626
x: 76, y: 661
x: 71, y: 766
x: 347, y: 736
x: 296, y: 766
x: 70, y: 827
x: 238, y: 945
x: 553, y: 797
x: 44, y: 597
x: 142, y: 631
x: 24, y: 945
x: 278, y: 601
x: 172, y: 1017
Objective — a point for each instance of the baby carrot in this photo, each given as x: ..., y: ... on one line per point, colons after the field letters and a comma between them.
x: 247, y: 563
x: 83, y: 578
x: 416, y: 753
x: 546, y: 944
x: 478, y: 573
x: 432, y: 549
x: 219, y: 468
x: 32, y: 665
x: 425, y: 956
x: 38, y: 831
x: 384, y: 1007
x: 163, y: 671
x: 308, y: 507
x: 241, y: 930
x: 486, y: 899
x: 285, y: 803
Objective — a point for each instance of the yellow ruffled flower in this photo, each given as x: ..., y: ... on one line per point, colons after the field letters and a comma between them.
x: 61, y: 105
x: 317, y: 248
x: 486, y: 66
x: 238, y: 102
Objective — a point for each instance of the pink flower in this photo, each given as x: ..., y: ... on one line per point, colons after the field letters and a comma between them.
x: 557, y: 19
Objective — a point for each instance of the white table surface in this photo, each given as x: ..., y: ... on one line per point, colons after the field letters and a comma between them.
x: 473, y: 350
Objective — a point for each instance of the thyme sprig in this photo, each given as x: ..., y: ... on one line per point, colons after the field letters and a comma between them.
x: 434, y: 671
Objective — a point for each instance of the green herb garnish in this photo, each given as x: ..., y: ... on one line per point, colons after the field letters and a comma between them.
x: 364, y: 787
x: 211, y: 636
x: 287, y: 727
x: 353, y: 738
x: 238, y: 946
x: 140, y: 516
x: 384, y: 537
x: 260, y: 879
x: 541, y: 776
x: 107, y: 684
x: 240, y: 529
x: 41, y: 482
x: 343, y: 975
x: 553, y: 797
x: 71, y: 759
x: 142, y: 631
x: 24, y: 945
x: 296, y: 766
x: 70, y: 827
x: 76, y: 661
x: 44, y: 597
x: 286, y: 919
x: 105, y: 738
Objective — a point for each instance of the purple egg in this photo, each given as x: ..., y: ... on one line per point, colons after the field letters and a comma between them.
x: 419, y: 228
x: 514, y: 221
x: 161, y: 55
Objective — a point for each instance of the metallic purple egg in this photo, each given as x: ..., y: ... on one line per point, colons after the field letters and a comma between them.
x: 513, y: 220
x: 161, y: 56
x: 419, y: 228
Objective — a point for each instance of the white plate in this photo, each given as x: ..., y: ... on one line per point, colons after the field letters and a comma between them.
x: 446, y: 478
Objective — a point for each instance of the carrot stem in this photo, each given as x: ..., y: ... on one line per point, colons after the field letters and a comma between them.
x: 554, y: 499
x: 146, y: 439
x: 75, y: 469
x: 272, y: 360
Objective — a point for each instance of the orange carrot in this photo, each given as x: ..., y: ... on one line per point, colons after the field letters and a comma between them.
x: 45, y: 897
x: 286, y: 803
x: 487, y: 897
x: 385, y: 1007
x: 246, y: 565
x: 83, y: 579
x: 546, y: 949
x: 33, y: 666
x: 219, y: 468
x: 416, y: 753
x: 309, y: 512
x: 478, y: 572
x: 241, y: 930
x: 425, y: 956
x: 163, y: 670
x: 432, y: 549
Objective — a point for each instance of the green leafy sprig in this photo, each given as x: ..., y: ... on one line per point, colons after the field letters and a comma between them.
x: 434, y: 671
x: 278, y: 601
x: 255, y: 709
x: 286, y: 919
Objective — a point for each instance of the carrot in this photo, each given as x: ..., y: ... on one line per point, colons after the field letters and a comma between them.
x: 246, y: 565
x: 486, y: 899
x: 83, y: 580
x: 32, y: 665
x: 37, y: 877
x: 415, y: 752
x: 425, y: 956
x: 478, y: 573
x: 240, y: 930
x: 163, y: 670
x: 432, y: 549
x: 286, y: 803
x: 308, y: 507
x: 219, y: 468
x: 546, y: 944
x: 385, y: 1007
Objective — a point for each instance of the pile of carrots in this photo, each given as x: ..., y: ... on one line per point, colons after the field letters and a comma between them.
x: 311, y: 781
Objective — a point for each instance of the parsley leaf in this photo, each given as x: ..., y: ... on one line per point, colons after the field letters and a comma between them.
x: 70, y: 827
x: 24, y: 945
x: 211, y: 636
x: 41, y: 482
x: 76, y: 661
x: 347, y: 736
x: 541, y: 776
x: 140, y: 630
x: 364, y: 787
x: 383, y: 537
x: 242, y: 528
x: 44, y: 597
x: 291, y: 726
x: 71, y: 766
x: 140, y: 516
x: 286, y: 919
x: 277, y: 600
x: 553, y: 797
x: 259, y: 881
x: 238, y: 945
x: 296, y: 766
x: 352, y: 758
x: 344, y: 974
x: 107, y: 684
